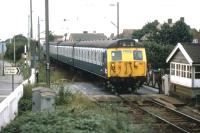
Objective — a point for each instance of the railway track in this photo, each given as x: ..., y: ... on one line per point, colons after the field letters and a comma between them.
x: 178, y: 120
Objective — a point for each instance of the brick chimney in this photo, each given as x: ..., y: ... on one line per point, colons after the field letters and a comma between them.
x: 169, y: 21
x: 182, y: 19
x: 85, y: 32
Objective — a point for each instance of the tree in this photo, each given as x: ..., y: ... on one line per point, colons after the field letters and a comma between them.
x: 165, y: 35
x: 181, y: 32
x: 157, y: 54
x: 150, y: 29
x: 51, y: 36
x: 20, y: 41
x: 138, y: 34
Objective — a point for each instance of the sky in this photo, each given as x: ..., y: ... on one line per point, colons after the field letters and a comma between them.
x: 93, y: 15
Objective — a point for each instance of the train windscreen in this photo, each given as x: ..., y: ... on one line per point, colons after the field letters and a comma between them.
x: 137, y: 55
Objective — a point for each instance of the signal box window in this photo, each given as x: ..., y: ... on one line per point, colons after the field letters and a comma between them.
x: 197, y: 72
x: 116, y: 55
x: 137, y: 55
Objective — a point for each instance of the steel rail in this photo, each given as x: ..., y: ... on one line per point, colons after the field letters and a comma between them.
x: 184, y: 116
x: 173, y: 111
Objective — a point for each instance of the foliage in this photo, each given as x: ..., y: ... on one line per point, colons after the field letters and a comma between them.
x: 25, y: 69
x: 77, y: 117
x: 157, y: 54
x: 51, y: 36
x: 25, y: 103
x: 167, y: 34
x: 20, y: 41
x: 149, y: 29
x: 64, y: 95
x: 181, y: 32
x: 42, y: 72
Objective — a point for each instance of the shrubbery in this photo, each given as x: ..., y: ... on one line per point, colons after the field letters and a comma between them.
x: 25, y: 103
x: 157, y: 54
x: 20, y: 41
x: 79, y: 115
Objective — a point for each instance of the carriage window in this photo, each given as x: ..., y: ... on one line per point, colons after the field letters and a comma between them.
x: 137, y: 55
x: 116, y: 55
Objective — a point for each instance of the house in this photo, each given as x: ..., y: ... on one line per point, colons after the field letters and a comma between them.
x: 85, y: 36
x: 128, y: 33
x: 185, y: 70
x: 58, y: 38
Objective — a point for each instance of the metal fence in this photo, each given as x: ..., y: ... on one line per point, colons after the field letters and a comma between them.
x: 9, y: 106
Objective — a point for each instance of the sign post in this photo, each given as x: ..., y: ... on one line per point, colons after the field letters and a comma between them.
x: 8, y: 70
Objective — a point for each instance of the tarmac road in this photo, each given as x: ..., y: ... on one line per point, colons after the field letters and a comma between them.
x: 6, y: 82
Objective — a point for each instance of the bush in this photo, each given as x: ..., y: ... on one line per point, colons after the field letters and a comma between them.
x: 157, y: 54
x: 64, y: 95
x: 25, y: 103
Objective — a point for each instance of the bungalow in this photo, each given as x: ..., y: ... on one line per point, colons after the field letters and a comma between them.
x: 185, y: 70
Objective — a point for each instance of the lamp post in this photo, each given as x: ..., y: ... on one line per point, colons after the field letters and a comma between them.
x: 117, y: 17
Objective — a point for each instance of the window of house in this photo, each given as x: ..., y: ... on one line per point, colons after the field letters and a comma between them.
x: 183, y: 70
x: 189, y: 70
x: 197, y: 72
x: 172, y: 68
x: 177, y: 69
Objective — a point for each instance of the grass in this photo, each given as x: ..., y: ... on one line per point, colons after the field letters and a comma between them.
x: 76, y: 114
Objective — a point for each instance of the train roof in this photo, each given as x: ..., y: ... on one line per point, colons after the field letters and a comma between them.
x: 62, y: 43
x: 101, y: 43
x: 108, y: 43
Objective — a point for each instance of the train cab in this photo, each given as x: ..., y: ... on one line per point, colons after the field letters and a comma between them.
x: 126, y: 61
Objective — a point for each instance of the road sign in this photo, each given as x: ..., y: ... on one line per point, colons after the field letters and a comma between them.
x: 8, y: 70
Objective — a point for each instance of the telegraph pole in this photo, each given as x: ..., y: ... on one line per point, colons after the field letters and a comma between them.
x: 14, y: 62
x: 3, y: 58
x: 28, y: 39
x: 31, y: 37
x: 38, y: 38
x: 47, y: 42
x: 117, y: 19
x: 31, y: 20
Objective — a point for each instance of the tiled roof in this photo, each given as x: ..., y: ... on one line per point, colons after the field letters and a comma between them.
x: 193, y: 51
x: 87, y: 36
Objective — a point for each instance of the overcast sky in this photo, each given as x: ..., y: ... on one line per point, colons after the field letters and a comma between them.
x: 93, y: 15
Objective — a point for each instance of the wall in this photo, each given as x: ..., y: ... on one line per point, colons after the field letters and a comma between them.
x: 9, y: 106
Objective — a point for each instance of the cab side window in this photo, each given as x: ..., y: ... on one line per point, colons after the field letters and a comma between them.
x: 116, y: 55
x: 137, y: 55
